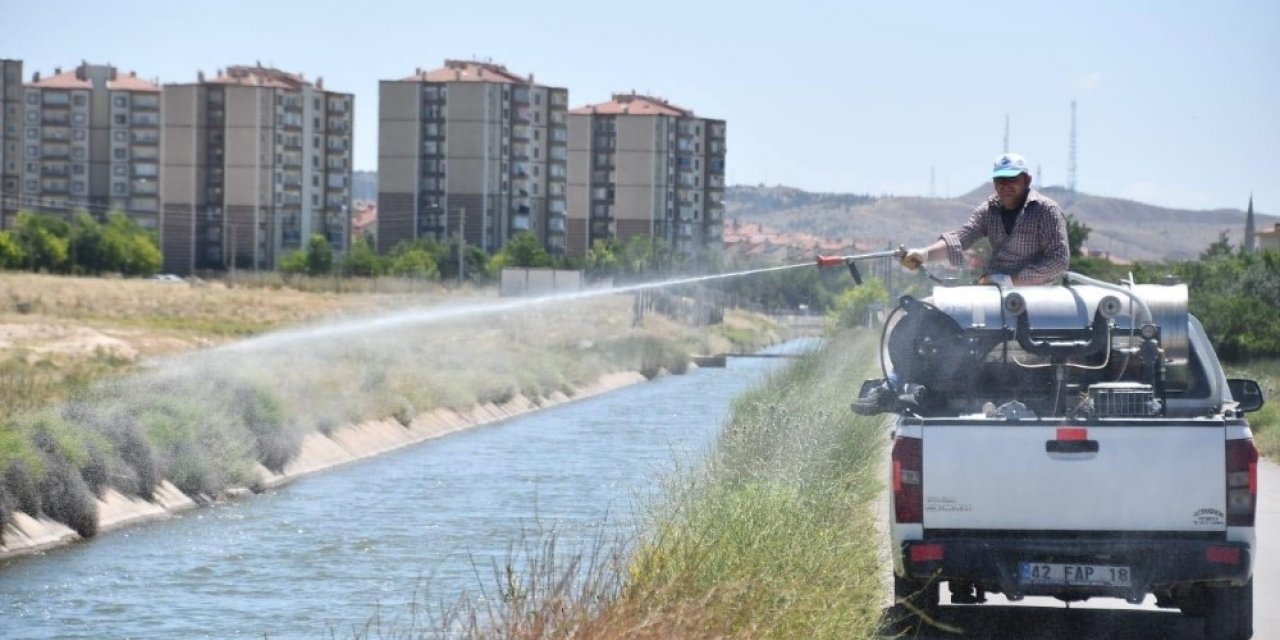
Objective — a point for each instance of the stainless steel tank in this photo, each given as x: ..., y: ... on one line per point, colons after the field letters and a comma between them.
x: 1073, y: 307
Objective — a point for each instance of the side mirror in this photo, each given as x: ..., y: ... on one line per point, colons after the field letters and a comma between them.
x: 1247, y: 393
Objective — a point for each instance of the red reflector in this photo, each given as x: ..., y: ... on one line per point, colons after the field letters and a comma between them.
x: 926, y: 552
x: 897, y: 475
x: 1253, y: 478
x: 1073, y: 433
x: 1222, y: 555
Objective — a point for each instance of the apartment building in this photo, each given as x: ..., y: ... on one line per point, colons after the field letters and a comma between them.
x: 641, y: 166
x: 11, y: 91
x: 87, y: 140
x: 256, y: 161
x: 471, y: 148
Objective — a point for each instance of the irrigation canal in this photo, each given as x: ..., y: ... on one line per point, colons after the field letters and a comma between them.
x: 327, y: 553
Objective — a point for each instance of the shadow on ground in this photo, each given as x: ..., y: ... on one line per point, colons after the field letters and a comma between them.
x: 997, y: 622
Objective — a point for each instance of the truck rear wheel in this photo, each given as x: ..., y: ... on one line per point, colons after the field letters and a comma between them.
x: 1229, y: 613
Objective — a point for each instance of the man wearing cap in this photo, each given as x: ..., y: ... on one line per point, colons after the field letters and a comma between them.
x: 1027, y: 231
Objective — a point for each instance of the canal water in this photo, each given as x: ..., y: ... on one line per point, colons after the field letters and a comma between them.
x: 323, y: 556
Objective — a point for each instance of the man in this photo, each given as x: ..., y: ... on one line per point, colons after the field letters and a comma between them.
x: 1027, y: 231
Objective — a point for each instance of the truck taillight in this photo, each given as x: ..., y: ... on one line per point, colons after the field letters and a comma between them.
x: 908, y: 472
x: 1242, y: 482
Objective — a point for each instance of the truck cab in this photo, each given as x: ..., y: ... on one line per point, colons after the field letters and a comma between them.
x: 1073, y: 441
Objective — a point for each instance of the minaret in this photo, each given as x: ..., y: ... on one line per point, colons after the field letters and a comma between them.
x: 1250, y: 236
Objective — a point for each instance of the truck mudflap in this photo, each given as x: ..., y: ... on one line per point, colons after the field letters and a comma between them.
x: 1127, y: 568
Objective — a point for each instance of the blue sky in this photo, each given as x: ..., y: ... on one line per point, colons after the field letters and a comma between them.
x: 1179, y: 103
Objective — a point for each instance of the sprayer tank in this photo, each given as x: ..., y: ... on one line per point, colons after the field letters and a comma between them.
x: 1052, y: 308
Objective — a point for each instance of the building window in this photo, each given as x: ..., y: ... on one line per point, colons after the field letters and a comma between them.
x: 33, y: 133
x: 79, y: 100
x: 77, y: 134
x: 120, y: 170
x: 33, y: 116
x: 33, y: 151
x: 33, y: 167
x: 122, y: 136
x: 120, y: 153
x: 119, y: 188
x: 121, y: 119
x: 33, y: 97
x: 121, y: 101
x: 77, y: 186
x: 77, y: 169
x: 77, y: 153
x: 33, y: 185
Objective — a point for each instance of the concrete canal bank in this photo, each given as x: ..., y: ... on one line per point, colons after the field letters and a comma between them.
x: 318, y: 452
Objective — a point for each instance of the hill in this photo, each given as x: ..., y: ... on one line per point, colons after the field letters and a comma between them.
x: 1123, y: 228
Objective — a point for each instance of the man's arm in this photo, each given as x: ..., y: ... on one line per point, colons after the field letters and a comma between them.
x: 950, y: 245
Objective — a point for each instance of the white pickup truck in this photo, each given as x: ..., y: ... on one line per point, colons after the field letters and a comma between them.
x: 1072, y: 441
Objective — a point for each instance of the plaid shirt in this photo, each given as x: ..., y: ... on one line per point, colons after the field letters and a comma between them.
x: 1035, y: 253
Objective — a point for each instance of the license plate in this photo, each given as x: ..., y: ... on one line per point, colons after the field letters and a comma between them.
x: 1085, y: 575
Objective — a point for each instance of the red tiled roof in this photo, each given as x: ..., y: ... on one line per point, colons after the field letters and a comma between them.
x: 66, y: 80
x: 470, y: 71
x: 633, y: 104
x: 259, y: 76
x: 131, y: 82
x: 364, y: 215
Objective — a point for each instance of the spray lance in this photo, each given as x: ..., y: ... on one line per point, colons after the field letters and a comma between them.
x: 851, y: 261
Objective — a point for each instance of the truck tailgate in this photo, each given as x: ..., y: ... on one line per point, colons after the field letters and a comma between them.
x: 1045, y: 477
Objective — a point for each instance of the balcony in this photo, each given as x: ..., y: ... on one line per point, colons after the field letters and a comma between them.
x: 555, y: 224
x: 55, y: 118
x: 58, y: 170
x: 520, y: 222
x: 146, y: 137
x: 145, y: 187
x: 145, y: 119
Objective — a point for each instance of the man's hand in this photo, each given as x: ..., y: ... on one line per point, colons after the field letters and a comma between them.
x: 913, y: 258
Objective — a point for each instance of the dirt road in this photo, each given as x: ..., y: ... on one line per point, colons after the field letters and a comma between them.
x: 1039, y: 618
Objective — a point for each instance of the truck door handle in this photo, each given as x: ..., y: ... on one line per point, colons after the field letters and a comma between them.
x: 1071, y: 446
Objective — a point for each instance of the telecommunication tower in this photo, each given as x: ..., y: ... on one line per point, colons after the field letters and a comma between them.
x: 1071, y: 150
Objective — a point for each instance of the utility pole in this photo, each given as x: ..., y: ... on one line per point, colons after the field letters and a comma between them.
x: 1071, y: 161
x: 462, y: 241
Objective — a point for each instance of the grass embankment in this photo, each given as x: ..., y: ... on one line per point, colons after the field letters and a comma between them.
x: 1266, y: 421
x: 94, y: 414
x: 774, y: 537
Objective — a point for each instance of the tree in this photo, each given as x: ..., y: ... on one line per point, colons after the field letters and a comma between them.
x: 602, y: 259
x: 1077, y: 234
x: 523, y: 250
x: 854, y: 306
x: 413, y: 260
x: 319, y: 256
x: 44, y: 240
x: 362, y: 260
x: 294, y: 262
x: 11, y: 254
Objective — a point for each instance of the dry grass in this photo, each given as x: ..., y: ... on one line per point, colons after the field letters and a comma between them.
x: 76, y: 358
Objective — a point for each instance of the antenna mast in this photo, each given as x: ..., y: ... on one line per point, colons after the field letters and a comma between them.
x: 1071, y: 149
x: 1006, y: 133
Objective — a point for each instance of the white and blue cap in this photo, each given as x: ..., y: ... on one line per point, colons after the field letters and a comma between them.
x: 1009, y: 165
